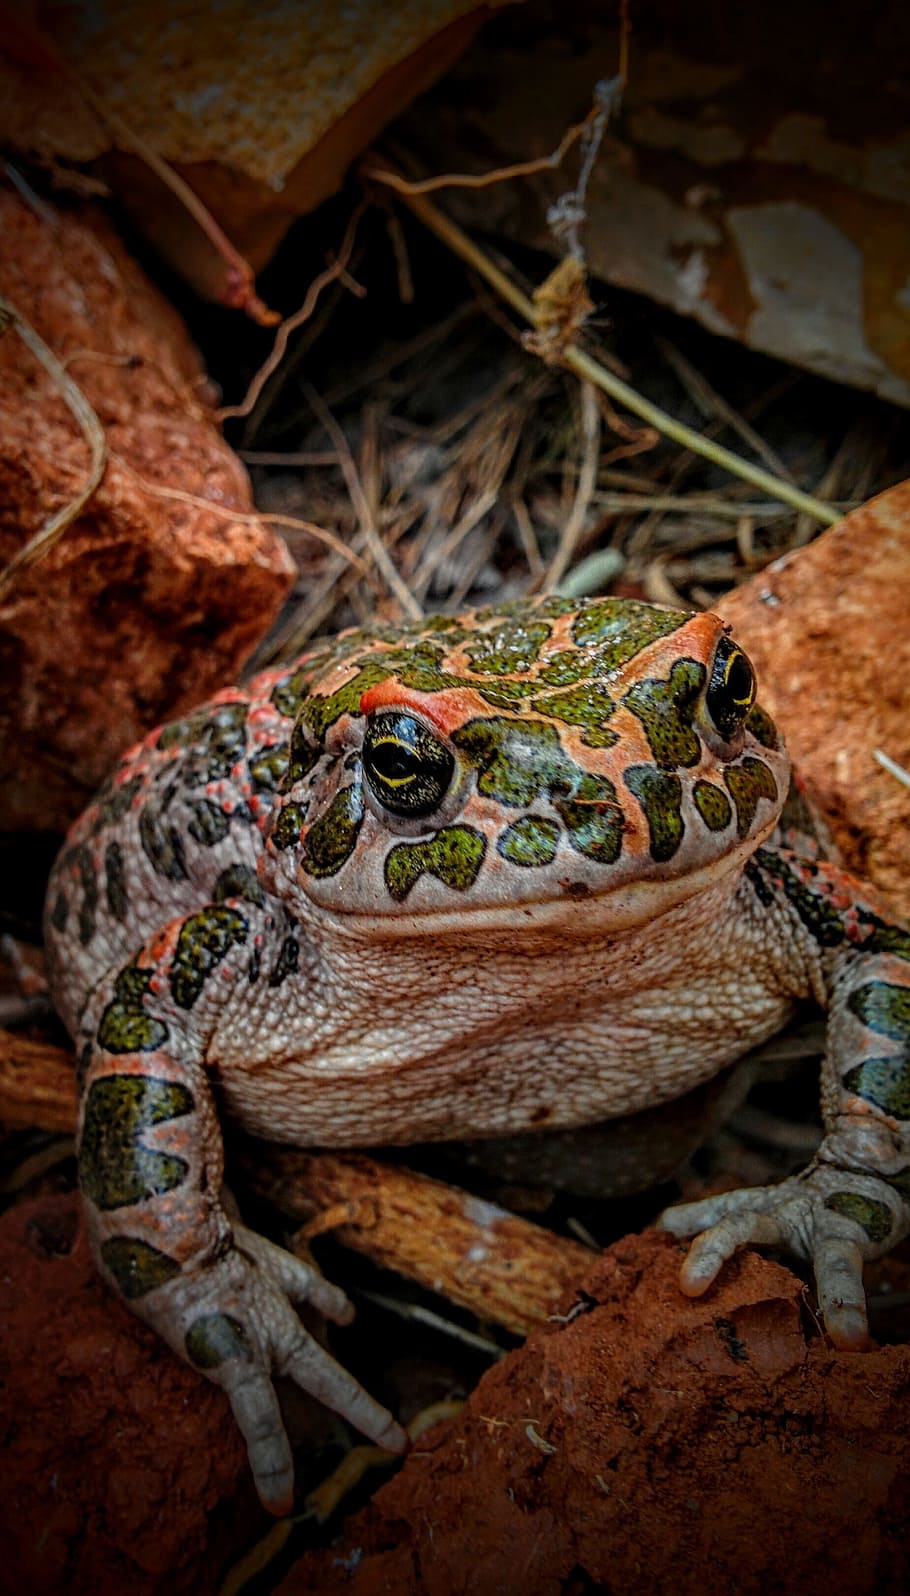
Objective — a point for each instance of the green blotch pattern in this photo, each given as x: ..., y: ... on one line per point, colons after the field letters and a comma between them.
x: 713, y: 805
x: 593, y: 819
x: 214, y: 1339
x: 303, y: 755
x: 209, y: 823
x: 815, y: 910
x: 660, y: 797
x: 112, y: 803
x: 287, y: 961
x: 621, y: 628
x: 530, y: 842
x: 269, y: 767
x: 162, y: 844
x: 874, y: 1217
x: 589, y: 705
x: 136, y: 1266
x: 114, y: 888
x: 666, y: 708
x: 762, y: 727
x: 884, y: 1082
x: 549, y: 608
x: 332, y: 838
x: 89, y: 883
x: 567, y: 667
x: 889, y: 939
x: 216, y: 738
x: 454, y: 856
x: 60, y: 913
x: 115, y: 1169
x: 125, y: 1027
x: 505, y: 695
x: 746, y: 784
x: 288, y: 694
x: 287, y: 828
x: 204, y: 940
x: 320, y: 712
x: 609, y: 632
x: 238, y: 881
x: 519, y: 762
x: 884, y: 1008
x: 512, y: 646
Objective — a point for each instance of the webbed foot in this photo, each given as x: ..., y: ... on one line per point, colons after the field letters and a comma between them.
x: 232, y: 1317
x: 833, y: 1218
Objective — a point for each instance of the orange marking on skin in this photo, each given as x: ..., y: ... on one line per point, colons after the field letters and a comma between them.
x: 698, y: 636
x: 161, y: 945
x: 445, y: 711
x: 860, y: 1108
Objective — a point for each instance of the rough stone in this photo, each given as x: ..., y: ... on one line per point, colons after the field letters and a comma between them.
x: 650, y: 1443
x: 112, y: 1478
x: 826, y: 628
x: 261, y: 109
x: 147, y: 604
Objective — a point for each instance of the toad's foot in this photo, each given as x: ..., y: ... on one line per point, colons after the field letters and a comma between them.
x: 232, y: 1318
x: 833, y: 1218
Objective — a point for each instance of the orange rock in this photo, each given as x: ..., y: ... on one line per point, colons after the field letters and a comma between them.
x: 112, y: 1476
x: 260, y: 108
x: 827, y: 630
x: 146, y: 604
x: 650, y: 1443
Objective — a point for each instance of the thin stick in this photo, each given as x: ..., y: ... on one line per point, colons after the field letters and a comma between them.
x: 291, y: 323
x: 587, y: 478
x: 380, y: 554
x: 591, y: 370
x: 381, y: 173
x: 44, y: 539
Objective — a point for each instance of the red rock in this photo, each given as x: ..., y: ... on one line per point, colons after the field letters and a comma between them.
x: 650, y: 1443
x: 826, y: 628
x: 147, y: 604
x: 116, y: 1456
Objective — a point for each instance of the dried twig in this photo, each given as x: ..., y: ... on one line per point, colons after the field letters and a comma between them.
x: 475, y: 1254
x: 376, y: 171
x: 44, y: 539
x: 380, y: 554
x: 37, y: 1084
x: 585, y: 366
x: 892, y: 766
x: 587, y: 479
x: 710, y: 403
x: 335, y: 270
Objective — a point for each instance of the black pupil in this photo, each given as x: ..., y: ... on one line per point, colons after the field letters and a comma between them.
x: 731, y: 689
x: 394, y: 762
x: 407, y: 768
x: 739, y: 679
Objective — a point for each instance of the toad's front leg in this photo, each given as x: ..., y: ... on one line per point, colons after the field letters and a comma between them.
x: 852, y: 1203
x: 150, y: 1167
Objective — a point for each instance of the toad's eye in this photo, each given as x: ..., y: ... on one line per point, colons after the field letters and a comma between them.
x: 731, y: 690
x: 407, y: 768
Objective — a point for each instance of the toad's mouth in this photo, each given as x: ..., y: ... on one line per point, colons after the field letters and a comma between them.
x: 616, y: 907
